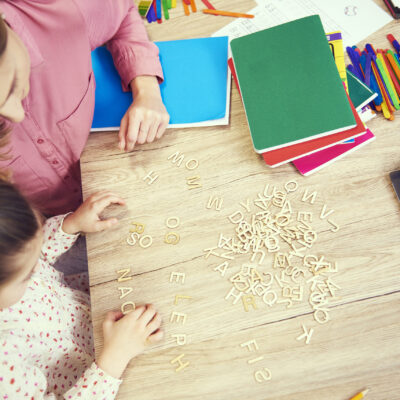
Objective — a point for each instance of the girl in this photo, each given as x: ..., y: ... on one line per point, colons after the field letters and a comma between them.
x: 46, y: 343
x: 47, y: 89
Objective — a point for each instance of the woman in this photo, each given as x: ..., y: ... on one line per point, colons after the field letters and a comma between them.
x: 47, y: 89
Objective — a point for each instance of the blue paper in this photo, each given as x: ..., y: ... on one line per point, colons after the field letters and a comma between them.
x: 194, y: 87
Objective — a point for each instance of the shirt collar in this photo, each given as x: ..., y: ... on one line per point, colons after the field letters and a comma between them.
x: 14, y: 21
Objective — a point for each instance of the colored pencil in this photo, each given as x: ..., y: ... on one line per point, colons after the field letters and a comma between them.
x: 227, y: 13
x: 193, y: 5
x: 360, y: 395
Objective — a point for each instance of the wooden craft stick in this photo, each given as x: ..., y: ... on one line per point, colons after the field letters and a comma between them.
x: 185, y: 8
x: 208, y: 4
x: 227, y: 13
x: 193, y: 5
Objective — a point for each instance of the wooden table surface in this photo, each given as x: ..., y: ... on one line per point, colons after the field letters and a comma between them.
x: 360, y: 345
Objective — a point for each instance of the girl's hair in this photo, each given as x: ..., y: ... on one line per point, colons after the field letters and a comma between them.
x: 18, y: 225
x: 4, y: 126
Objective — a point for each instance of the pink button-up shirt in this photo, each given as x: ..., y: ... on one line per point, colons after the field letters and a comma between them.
x: 59, y: 36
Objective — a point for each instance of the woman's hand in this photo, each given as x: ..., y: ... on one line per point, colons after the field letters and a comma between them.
x: 87, y: 217
x: 126, y: 336
x: 147, y: 118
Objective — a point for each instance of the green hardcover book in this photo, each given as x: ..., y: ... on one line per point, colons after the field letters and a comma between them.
x: 291, y: 88
x: 359, y: 92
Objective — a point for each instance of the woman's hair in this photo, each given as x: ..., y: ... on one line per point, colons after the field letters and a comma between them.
x: 18, y: 225
x: 3, y: 35
x: 4, y: 125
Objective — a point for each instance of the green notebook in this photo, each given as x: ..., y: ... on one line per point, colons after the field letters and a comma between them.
x: 290, y: 85
x: 359, y: 92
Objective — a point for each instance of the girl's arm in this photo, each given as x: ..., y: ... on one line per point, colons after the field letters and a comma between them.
x: 56, y: 242
x: 20, y: 380
x: 61, y: 232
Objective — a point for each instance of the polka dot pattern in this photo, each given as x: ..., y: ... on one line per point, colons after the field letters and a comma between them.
x: 46, y: 342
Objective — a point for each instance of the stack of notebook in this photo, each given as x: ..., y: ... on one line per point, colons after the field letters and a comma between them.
x: 295, y: 95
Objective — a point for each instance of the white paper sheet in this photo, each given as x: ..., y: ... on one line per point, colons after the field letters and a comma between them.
x: 356, y: 19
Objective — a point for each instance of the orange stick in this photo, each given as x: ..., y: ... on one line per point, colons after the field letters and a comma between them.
x: 227, y: 13
x: 392, y: 74
x: 385, y: 109
x: 185, y: 8
x: 383, y: 91
x: 193, y: 4
x: 394, y: 65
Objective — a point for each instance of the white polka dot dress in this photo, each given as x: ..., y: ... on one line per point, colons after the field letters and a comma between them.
x: 46, y: 343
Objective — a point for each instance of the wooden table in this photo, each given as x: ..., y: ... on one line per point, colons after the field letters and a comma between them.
x: 358, y: 347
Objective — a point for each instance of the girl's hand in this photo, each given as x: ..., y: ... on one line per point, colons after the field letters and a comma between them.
x: 147, y: 117
x: 87, y: 217
x: 126, y: 336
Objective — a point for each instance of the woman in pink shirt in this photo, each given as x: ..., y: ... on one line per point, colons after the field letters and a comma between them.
x: 47, y: 89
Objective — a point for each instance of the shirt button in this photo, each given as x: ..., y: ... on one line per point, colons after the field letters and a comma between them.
x: 54, y: 162
x: 40, y: 141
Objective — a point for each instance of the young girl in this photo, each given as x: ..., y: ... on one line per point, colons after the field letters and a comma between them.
x: 47, y: 89
x: 46, y: 342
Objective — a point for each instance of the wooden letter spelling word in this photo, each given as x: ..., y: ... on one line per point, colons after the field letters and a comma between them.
x: 249, y: 343
x: 193, y: 183
x: 171, y: 238
x: 123, y: 276
x: 236, y: 295
x: 143, y: 243
x: 172, y: 222
x: 307, y: 334
x: 221, y: 268
x: 304, y: 216
x: 125, y: 309
x: 215, y: 202
x: 138, y: 227
x: 178, y: 317
x: 177, y: 158
x: 325, y: 214
x: 236, y: 217
x: 262, y: 375
x: 180, y: 339
x: 191, y: 164
x: 151, y: 176
x: 181, y: 364
x: 249, y: 300
x: 177, y: 276
x: 124, y: 291
x: 246, y: 205
x: 291, y: 186
x: 181, y: 296
x: 132, y: 238
x: 307, y: 196
x: 335, y: 227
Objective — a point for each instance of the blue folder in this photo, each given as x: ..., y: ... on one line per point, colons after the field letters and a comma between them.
x: 194, y: 87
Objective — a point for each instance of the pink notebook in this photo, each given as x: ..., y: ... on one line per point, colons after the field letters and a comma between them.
x: 314, y: 162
